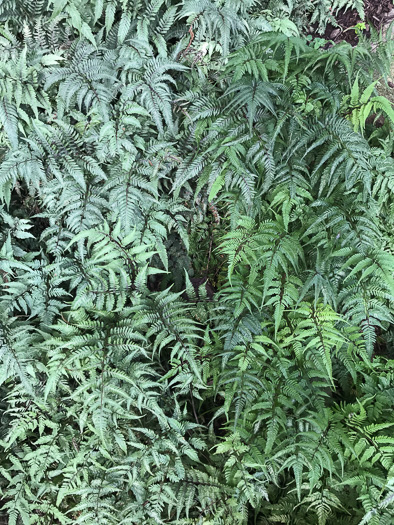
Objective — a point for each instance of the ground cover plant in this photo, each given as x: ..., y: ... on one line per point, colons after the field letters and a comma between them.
x: 196, y: 266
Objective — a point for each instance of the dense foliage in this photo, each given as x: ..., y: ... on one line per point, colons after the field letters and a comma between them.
x: 196, y: 267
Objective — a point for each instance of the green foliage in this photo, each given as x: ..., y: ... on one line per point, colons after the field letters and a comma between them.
x: 361, y: 105
x: 196, y: 266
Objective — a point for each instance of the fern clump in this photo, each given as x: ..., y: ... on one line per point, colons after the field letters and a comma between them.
x: 196, y: 266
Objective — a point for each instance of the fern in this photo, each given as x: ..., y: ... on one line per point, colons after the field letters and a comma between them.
x: 196, y: 267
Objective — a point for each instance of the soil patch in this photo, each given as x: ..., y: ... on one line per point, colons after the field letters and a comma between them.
x: 378, y: 13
